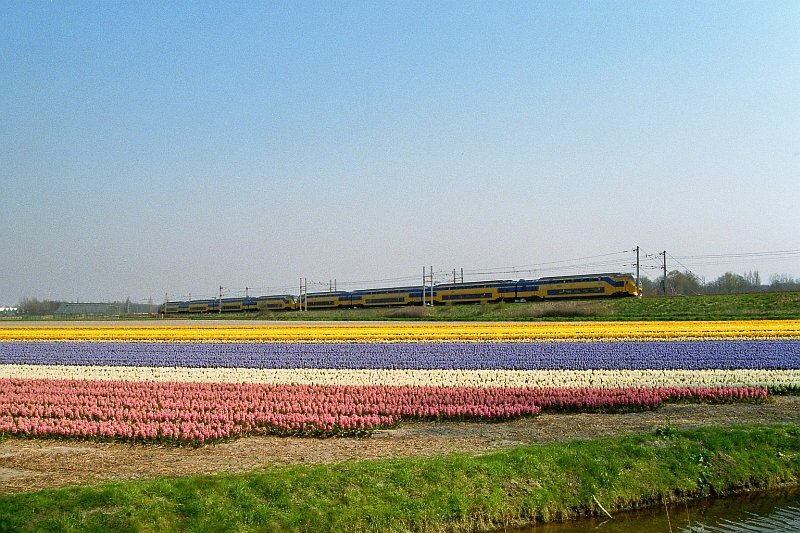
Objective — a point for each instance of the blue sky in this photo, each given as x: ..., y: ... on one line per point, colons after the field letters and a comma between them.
x: 150, y: 148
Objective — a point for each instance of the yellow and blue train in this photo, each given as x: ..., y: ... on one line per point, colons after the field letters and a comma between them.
x: 549, y: 288
x: 282, y: 302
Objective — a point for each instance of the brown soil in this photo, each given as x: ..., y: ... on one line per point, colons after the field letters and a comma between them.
x: 33, y: 464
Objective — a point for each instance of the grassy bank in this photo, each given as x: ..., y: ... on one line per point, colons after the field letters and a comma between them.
x: 535, y: 483
x: 775, y: 305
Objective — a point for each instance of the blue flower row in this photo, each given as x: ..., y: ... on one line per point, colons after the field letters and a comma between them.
x: 689, y: 355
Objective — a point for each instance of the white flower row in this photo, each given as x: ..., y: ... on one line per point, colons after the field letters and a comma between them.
x: 450, y: 378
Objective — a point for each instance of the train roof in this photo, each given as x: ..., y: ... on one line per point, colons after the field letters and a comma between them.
x: 575, y: 276
x: 474, y: 283
x: 376, y: 289
x: 327, y: 293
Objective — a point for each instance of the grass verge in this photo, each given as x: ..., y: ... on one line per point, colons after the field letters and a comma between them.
x: 449, y: 493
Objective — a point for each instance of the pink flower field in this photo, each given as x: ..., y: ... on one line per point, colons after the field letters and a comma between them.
x: 201, y: 412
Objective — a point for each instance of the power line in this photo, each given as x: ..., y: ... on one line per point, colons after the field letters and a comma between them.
x: 538, y: 266
x: 620, y: 261
x: 562, y: 266
x: 687, y: 269
x: 744, y: 254
x: 383, y: 280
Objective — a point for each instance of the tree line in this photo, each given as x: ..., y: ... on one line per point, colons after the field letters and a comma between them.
x: 688, y: 283
x: 35, y: 307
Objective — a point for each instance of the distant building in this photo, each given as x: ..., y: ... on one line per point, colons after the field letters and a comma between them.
x: 8, y: 311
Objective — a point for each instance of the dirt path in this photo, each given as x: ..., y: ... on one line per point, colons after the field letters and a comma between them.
x: 33, y: 464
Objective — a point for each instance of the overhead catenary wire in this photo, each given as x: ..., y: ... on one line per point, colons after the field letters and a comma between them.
x: 622, y: 261
x: 579, y: 265
x: 619, y: 261
x: 739, y: 258
x: 745, y: 254
x: 538, y: 266
x: 686, y: 269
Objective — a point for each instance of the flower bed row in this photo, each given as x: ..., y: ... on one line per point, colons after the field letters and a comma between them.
x: 201, y: 383
x: 775, y: 380
x: 632, y: 355
x: 367, y: 332
x: 197, y: 413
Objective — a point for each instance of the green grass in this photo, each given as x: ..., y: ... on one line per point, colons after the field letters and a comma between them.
x: 456, y: 492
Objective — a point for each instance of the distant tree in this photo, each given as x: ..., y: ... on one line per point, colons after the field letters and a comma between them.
x: 684, y: 283
x: 687, y: 283
x: 34, y: 307
x: 753, y: 279
x: 652, y: 287
x: 649, y: 287
x: 783, y: 282
x: 729, y: 283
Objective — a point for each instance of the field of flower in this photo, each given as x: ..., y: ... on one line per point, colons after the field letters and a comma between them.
x: 416, y: 331
x: 194, y: 384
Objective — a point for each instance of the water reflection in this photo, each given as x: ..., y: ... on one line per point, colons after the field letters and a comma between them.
x: 773, y: 512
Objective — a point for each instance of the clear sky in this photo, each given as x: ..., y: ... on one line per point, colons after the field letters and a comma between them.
x: 159, y: 147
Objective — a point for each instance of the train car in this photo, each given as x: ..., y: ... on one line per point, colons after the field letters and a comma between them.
x: 169, y: 308
x: 473, y: 292
x: 250, y: 303
x: 201, y: 306
x: 524, y: 290
x: 351, y: 300
x: 587, y: 286
x: 232, y: 305
x: 328, y: 300
x: 387, y: 297
x: 281, y: 302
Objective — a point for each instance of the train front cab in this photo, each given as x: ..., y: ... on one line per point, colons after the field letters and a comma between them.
x: 617, y: 285
x: 592, y: 286
x: 628, y: 287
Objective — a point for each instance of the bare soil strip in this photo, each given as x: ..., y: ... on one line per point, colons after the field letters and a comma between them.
x: 34, y: 464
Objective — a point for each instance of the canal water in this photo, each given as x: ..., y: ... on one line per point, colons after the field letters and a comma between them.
x: 770, y: 512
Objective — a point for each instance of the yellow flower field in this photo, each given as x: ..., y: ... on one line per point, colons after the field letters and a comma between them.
x: 409, y: 332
